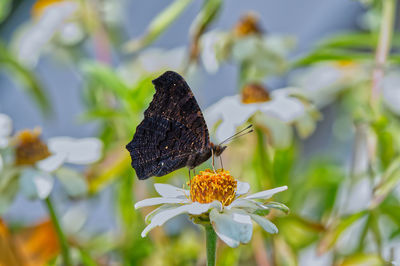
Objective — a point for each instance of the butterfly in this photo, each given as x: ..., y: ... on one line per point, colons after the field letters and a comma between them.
x: 173, y: 133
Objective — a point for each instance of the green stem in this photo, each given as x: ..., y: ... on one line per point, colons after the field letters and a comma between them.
x: 383, y: 48
x: 60, y: 233
x: 211, y: 244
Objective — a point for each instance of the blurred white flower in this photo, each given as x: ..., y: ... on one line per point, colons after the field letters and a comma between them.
x: 70, y: 150
x: 233, y: 113
x: 266, y: 54
x: 5, y: 129
x: 229, y: 210
x: 212, y: 49
x: 71, y: 33
x: 51, y: 19
x: 41, y: 162
x: 36, y: 184
x: 153, y: 60
x: 391, y: 91
x: 323, y: 81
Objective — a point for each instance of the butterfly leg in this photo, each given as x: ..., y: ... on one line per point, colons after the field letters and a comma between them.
x: 212, y: 160
x: 190, y: 178
x: 220, y: 159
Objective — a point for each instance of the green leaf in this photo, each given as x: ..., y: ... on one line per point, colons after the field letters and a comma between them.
x: 9, y: 186
x: 5, y: 8
x: 284, y: 254
x: 105, y: 77
x: 299, y: 232
x: 390, y: 179
x: 30, y: 82
x: 202, y: 21
x: 334, y: 232
x: 73, y: 182
x: 328, y: 54
x: 359, y: 40
x: 159, y: 24
x: 362, y: 260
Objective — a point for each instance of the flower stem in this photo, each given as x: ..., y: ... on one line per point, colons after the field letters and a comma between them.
x: 60, y: 233
x: 383, y: 48
x: 211, y: 244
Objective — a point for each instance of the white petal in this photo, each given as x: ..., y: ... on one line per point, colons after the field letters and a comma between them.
x: 51, y: 163
x: 225, y: 130
x: 232, y: 112
x: 208, y: 53
x: 44, y: 184
x: 71, y: 33
x: 242, y: 188
x: 246, y: 204
x: 74, y: 219
x: 157, y: 201
x: 86, y: 151
x: 169, y: 191
x: 194, y: 208
x: 281, y: 132
x: 77, y: 151
x: 4, y: 142
x: 60, y: 144
x: 265, y: 224
x: 231, y: 227
x: 5, y: 125
x: 266, y: 194
x: 286, y: 109
x: 33, y: 40
x: 36, y: 184
x: 161, y: 217
x: 199, y: 208
x: 164, y: 207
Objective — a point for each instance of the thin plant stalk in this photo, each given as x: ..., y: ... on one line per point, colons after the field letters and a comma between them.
x: 383, y: 48
x: 61, y: 236
x: 211, y: 245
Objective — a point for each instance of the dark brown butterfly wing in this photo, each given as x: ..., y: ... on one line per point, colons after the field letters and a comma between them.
x: 173, y: 128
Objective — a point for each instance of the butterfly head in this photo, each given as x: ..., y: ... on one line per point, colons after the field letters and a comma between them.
x: 217, y: 149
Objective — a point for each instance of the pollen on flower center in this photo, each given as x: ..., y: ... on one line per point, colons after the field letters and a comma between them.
x: 255, y: 93
x: 209, y: 186
x: 30, y: 148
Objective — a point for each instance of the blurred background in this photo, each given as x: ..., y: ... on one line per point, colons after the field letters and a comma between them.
x: 83, y: 69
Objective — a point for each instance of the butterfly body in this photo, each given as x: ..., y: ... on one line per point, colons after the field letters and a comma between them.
x: 173, y: 133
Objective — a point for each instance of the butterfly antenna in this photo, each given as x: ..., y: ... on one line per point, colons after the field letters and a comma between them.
x: 242, y: 132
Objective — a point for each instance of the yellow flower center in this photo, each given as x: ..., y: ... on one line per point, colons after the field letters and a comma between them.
x: 254, y: 93
x: 247, y: 25
x: 209, y: 186
x: 40, y: 6
x: 30, y: 148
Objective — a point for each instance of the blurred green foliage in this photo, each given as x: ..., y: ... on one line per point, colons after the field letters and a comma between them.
x: 323, y: 186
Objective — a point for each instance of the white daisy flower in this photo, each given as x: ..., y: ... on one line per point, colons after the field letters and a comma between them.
x: 43, y: 161
x: 282, y: 107
x: 70, y: 150
x: 246, y: 43
x: 52, y: 19
x: 215, y: 198
x: 152, y: 60
x: 6, y: 126
x: 322, y: 82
